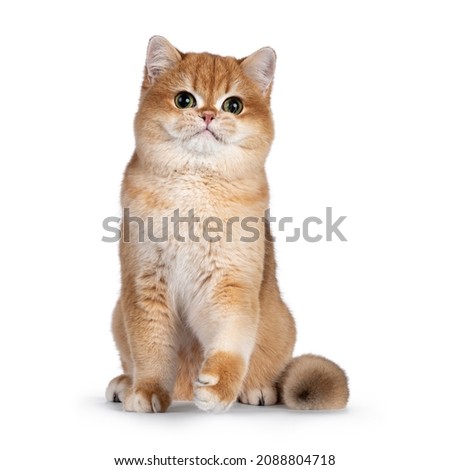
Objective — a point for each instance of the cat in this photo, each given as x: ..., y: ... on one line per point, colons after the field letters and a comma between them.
x: 200, y: 317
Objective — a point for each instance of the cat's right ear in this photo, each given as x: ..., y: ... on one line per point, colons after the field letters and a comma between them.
x: 161, y: 56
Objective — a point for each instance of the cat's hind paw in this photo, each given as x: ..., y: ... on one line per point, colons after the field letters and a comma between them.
x: 262, y: 396
x: 117, y: 388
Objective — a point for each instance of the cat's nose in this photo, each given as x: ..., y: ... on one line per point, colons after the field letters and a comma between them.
x: 208, y: 116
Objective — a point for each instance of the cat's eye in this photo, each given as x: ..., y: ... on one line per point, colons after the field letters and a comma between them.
x: 185, y: 100
x: 233, y: 105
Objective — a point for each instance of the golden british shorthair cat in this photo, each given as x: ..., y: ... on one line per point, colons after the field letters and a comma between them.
x: 200, y: 316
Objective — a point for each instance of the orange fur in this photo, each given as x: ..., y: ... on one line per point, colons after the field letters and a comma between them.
x: 204, y: 319
x: 229, y: 371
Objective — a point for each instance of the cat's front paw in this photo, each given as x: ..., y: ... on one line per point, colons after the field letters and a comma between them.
x: 261, y: 396
x: 218, y: 383
x: 146, y: 397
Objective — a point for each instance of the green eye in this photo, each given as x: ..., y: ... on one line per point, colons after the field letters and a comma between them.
x: 185, y: 100
x: 233, y: 105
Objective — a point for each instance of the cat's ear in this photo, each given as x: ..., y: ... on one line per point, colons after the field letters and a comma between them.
x: 260, y: 67
x: 161, y: 56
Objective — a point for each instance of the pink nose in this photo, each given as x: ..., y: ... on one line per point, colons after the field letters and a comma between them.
x: 208, y: 116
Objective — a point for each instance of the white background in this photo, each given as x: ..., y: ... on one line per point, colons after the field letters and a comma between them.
x: 362, y: 110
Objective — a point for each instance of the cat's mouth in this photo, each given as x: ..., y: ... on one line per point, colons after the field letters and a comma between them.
x: 208, y: 133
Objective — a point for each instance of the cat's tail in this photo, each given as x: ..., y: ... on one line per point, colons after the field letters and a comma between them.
x: 311, y: 382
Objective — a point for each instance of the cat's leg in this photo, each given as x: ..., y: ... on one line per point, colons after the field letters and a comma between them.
x: 272, y: 352
x: 120, y: 385
x: 227, y: 329
x: 152, y: 336
x: 275, y: 340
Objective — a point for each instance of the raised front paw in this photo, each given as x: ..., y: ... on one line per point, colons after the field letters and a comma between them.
x: 219, y: 381
x: 146, y: 397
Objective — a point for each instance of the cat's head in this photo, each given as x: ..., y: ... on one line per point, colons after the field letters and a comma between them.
x: 203, y: 111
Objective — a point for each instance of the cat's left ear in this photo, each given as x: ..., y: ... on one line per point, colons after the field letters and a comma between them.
x: 260, y: 67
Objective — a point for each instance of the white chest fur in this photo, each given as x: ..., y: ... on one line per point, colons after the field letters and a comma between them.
x: 194, y: 230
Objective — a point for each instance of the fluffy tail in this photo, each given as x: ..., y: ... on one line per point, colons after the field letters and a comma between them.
x: 312, y: 382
